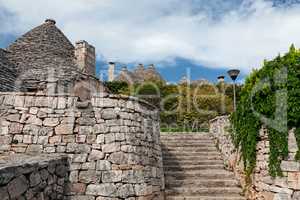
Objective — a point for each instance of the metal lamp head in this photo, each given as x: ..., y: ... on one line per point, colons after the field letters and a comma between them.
x: 233, y: 73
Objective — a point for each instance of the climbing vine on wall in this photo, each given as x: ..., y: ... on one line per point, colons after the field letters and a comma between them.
x: 270, y: 97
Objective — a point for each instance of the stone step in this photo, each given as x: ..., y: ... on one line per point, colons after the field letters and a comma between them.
x: 203, y: 183
x: 214, y: 197
x: 187, y: 146
x: 189, y: 154
x: 186, y: 138
x: 203, y: 190
x: 196, y: 142
x: 190, y: 139
x: 191, y: 162
x: 185, y: 135
x: 189, y: 149
x: 192, y: 167
x: 193, y: 158
x: 197, y: 175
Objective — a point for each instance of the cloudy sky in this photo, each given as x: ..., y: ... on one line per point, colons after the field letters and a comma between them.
x: 205, y: 36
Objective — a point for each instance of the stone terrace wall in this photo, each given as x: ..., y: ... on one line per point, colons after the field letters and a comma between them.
x: 33, y: 177
x: 263, y: 186
x: 112, y: 142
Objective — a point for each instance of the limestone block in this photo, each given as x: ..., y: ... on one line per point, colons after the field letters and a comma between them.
x: 111, y: 176
x: 89, y: 166
x: 46, y: 131
x: 52, y: 122
x: 61, y: 104
x: 64, y: 129
x: 19, y: 101
x: 86, y: 121
x: 290, y: 166
x: 61, y: 170
x: 79, y: 158
x: 96, y: 155
x: 35, y: 179
x: 18, y: 138
x: 103, y: 165
x: 100, y: 139
x: 43, y: 139
x: 112, y: 147
x: 77, y: 188
x: 108, y: 114
x: 292, y: 143
x: 90, y: 176
x: 296, y: 195
x: 4, y: 193
x: 15, y: 128
x: 33, y: 110
x: 125, y: 191
x: 55, y: 139
x: 17, y: 186
x: 104, y: 189
x: 73, y: 177
x: 5, y: 139
x: 133, y: 176
x: 13, y: 117
x: 85, y: 130
x: 91, y: 139
x: 68, y: 138
x: 110, y: 138
x: 143, y: 189
x: 42, y: 115
x: 81, y: 138
x: 294, y: 180
x: 100, y: 128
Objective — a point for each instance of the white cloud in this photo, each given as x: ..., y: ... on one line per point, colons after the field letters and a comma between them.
x: 157, y: 31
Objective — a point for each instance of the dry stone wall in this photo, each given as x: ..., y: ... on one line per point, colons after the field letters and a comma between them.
x: 112, y: 142
x: 263, y: 186
x: 33, y: 177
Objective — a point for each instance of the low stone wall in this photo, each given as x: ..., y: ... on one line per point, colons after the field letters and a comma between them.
x: 263, y: 186
x: 112, y: 142
x: 33, y: 177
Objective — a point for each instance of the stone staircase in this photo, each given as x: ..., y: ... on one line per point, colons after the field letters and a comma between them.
x: 194, y: 169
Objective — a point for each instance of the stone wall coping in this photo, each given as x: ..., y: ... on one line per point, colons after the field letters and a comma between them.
x: 180, y: 133
x: 219, y: 117
x: 98, y: 95
x: 14, y: 160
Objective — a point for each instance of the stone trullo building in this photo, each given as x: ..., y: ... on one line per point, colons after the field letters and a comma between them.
x: 61, y: 141
x: 44, y: 59
x: 139, y: 75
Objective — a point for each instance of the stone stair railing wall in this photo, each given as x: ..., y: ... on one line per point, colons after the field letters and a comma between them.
x: 112, y: 142
x: 33, y: 177
x: 263, y: 186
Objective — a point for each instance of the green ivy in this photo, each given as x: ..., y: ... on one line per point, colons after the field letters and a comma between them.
x: 272, y: 85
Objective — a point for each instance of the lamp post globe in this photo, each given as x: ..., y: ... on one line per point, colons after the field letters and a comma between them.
x: 234, y: 73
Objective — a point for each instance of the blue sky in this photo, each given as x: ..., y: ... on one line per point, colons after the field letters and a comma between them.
x: 204, y: 37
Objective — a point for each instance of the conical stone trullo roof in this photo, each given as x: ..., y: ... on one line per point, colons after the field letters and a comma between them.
x: 7, y: 73
x: 43, y: 54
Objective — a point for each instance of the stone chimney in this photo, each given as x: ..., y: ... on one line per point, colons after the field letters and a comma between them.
x: 50, y: 21
x: 151, y: 66
x: 111, y: 71
x: 85, y: 57
x: 124, y: 68
x: 140, y: 67
x: 221, y: 79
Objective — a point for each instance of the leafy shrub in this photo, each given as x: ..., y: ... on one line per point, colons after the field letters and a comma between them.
x: 264, y: 92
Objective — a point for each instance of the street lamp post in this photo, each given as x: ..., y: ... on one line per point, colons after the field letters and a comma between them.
x: 233, y: 75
